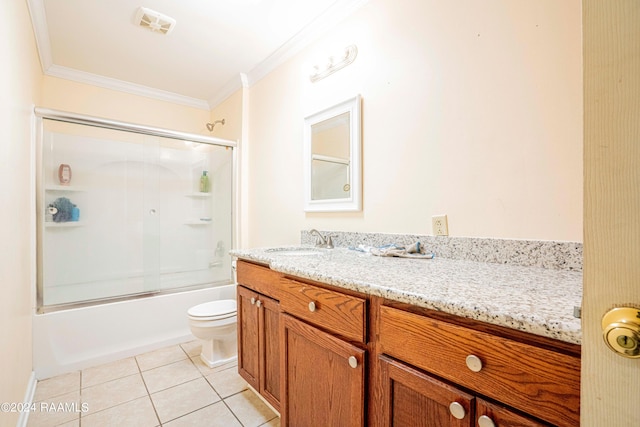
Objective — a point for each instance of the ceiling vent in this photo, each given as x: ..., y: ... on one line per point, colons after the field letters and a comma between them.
x: 154, y: 21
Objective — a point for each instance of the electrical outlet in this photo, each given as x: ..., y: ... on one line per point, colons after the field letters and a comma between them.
x: 439, y: 225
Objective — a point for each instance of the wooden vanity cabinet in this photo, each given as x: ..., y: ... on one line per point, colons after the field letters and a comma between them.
x: 536, y: 382
x: 259, y: 333
x: 302, y: 347
x: 324, y: 378
x: 412, y: 398
x: 324, y: 356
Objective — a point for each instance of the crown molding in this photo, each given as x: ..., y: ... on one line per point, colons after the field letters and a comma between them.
x: 122, y: 86
x: 231, y: 87
x: 41, y: 32
x: 39, y: 21
x: 319, y: 26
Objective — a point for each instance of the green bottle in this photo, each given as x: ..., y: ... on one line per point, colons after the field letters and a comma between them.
x: 204, y: 182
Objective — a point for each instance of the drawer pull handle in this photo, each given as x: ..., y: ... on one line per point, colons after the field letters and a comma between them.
x: 312, y: 306
x: 353, y: 362
x: 253, y: 300
x: 474, y: 363
x: 484, y: 421
x: 259, y: 303
x: 457, y: 410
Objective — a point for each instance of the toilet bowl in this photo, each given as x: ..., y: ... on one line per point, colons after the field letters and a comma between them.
x: 214, y: 323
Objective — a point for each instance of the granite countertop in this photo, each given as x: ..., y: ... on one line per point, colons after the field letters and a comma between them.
x: 531, y: 299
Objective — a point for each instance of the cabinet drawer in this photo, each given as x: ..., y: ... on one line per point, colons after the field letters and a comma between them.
x: 260, y: 279
x: 339, y: 313
x: 543, y: 383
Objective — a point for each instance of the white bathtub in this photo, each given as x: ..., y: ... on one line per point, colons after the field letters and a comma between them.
x: 69, y: 340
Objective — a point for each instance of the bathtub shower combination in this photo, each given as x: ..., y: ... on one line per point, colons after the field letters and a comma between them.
x: 134, y: 227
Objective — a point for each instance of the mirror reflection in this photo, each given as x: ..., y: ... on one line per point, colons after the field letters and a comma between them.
x: 332, y: 158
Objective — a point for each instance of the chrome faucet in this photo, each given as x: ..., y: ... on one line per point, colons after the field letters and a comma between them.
x: 321, y: 241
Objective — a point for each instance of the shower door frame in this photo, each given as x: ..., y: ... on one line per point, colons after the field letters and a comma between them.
x: 63, y: 116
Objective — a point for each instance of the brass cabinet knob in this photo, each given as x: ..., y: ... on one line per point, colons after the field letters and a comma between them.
x: 312, y: 306
x: 484, y: 421
x: 474, y: 363
x: 621, y: 331
x: 457, y: 410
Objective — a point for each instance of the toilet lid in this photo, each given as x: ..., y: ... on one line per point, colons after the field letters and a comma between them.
x: 222, y: 308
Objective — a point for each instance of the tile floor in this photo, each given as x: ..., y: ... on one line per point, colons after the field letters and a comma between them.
x: 166, y: 387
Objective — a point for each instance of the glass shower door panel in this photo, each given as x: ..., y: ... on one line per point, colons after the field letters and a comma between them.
x: 143, y: 223
x: 72, y: 250
x: 151, y: 214
x: 196, y: 235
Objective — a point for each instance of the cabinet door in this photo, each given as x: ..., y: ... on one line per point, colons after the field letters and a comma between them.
x: 413, y: 399
x: 323, y: 378
x: 269, y: 325
x: 248, y: 337
x: 491, y: 415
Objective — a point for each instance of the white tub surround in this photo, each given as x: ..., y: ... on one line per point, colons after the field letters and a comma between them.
x: 533, y: 299
x: 68, y: 340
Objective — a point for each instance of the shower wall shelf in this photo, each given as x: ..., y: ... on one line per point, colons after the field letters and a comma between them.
x: 198, y: 222
x: 64, y: 188
x: 67, y: 224
x: 200, y: 208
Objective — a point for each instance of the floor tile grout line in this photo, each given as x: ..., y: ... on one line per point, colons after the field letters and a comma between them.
x: 155, y: 410
x: 122, y: 403
x: 211, y: 373
x: 231, y: 410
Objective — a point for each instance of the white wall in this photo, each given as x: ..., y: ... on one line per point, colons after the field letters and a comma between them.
x: 81, y: 98
x: 234, y: 110
x: 473, y: 109
x: 20, y: 80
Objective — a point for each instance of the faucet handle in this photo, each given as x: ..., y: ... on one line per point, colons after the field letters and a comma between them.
x: 329, y: 244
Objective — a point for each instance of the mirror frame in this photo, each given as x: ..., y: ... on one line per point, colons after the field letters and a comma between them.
x: 354, y: 202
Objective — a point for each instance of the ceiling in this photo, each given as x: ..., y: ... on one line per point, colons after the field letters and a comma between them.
x: 215, y: 47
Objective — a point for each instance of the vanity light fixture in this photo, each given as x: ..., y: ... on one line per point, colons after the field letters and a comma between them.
x: 334, y: 64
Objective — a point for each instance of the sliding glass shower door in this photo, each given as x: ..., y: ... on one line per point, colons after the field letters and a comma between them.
x: 124, y: 214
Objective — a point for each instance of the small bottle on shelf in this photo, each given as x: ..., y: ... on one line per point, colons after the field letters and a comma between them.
x: 204, y: 182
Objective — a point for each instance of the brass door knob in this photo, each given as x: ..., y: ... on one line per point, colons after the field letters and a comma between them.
x: 621, y: 331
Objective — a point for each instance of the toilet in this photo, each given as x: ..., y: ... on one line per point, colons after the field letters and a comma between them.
x: 214, y: 323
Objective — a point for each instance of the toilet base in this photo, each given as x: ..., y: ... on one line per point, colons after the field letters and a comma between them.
x: 219, y: 362
x: 217, y: 352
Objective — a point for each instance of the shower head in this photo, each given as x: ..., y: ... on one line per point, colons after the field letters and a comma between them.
x: 210, y: 126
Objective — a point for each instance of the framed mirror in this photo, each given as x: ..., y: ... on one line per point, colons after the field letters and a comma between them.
x: 332, y: 158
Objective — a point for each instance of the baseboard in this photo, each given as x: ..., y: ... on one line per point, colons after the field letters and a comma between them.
x: 28, y: 400
x: 263, y: 399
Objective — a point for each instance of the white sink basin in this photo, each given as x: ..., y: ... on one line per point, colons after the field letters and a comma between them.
x: 296, y: 251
